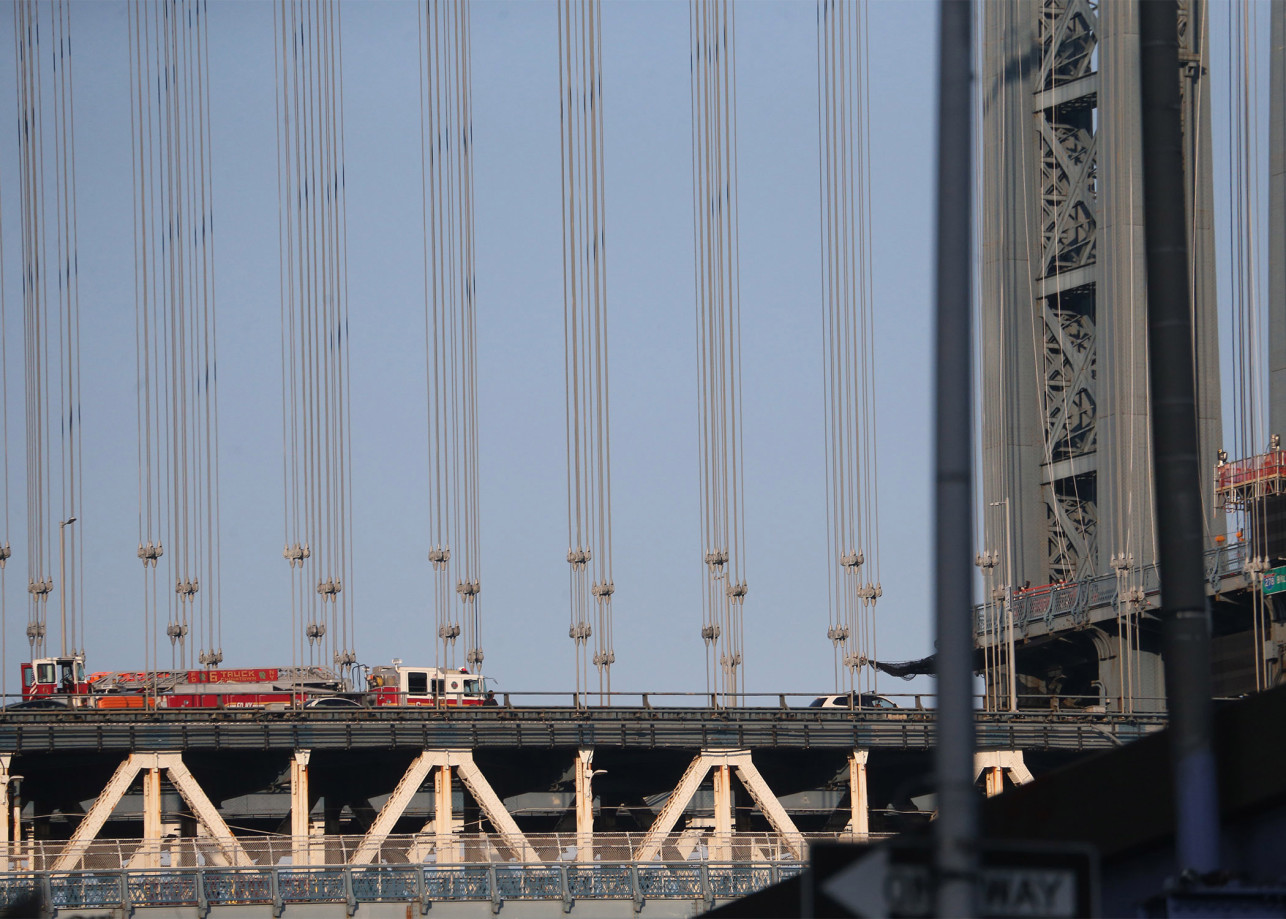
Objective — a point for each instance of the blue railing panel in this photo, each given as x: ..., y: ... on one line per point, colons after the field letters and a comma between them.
x: 87, y: 891
x: 605, y: 882
x: 385, y: 883
x: 158, y: 889
x: 239, y: 886
x: 323, y: 885
x: 521, y: 883
x: 457, y: 883
x: 668, y: 881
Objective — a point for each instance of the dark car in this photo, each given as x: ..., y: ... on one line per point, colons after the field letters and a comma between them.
x: 47, y: 703
x: 333, y: 702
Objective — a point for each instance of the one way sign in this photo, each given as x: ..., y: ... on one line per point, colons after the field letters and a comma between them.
x: 894, y: 879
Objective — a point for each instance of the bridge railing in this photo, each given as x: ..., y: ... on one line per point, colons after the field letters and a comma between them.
x: 14, y: 704
x: 202, y: 888
x: 1057, y: 605
x: 759, y: 848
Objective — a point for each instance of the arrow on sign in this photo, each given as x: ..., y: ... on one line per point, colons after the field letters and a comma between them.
x: 875, y: 888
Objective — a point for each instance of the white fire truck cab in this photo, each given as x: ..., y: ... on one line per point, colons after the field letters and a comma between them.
x: 401, y: 685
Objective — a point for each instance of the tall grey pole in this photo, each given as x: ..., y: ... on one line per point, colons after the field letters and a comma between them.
x: 1184, y: 610
x: 62, y: 578
x: 1277, y: 219
x: 956, y: 829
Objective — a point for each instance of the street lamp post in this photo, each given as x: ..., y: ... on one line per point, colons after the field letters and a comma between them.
x: 1009, y: 606
x: 62, y: 577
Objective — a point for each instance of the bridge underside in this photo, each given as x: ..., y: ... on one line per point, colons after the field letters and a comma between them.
x: 347, y: 791
x: 128, y: 791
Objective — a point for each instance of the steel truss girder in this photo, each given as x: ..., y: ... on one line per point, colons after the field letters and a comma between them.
x: 445, y: 761
x: 721, y: 761
x: 1068, y: 239
x: 228, y: 850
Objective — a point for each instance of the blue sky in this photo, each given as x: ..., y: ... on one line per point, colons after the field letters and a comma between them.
x: 653, y: 352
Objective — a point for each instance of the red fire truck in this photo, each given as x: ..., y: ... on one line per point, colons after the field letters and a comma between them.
x: 64, y: 679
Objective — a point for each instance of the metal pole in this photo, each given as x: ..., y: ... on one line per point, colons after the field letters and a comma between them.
x: 956, y: 830
x: 62, y: 578
x: 1184, y: 608
x: 1277, y: 219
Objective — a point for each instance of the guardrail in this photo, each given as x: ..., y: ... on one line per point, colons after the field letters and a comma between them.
x: 203, y: 888
x: 537, y: 704
x: 864, y: 700
x: 1052, y: 607
x: 687, y: 729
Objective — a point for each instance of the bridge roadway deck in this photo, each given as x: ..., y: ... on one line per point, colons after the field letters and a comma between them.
x: 33, y: 732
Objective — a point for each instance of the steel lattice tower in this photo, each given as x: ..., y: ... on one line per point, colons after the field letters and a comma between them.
x: 1067, y: 469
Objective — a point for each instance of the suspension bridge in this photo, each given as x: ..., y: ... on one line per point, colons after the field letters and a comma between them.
x: 190, y: 781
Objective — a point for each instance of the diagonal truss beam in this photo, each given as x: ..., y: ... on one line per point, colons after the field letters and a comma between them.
x: 674, y: 807
x: 494, y: 809
x: 488, y: 801
x: 770, y: 806
x: 182, y: 780
x: 692, y: 778
x: 396, y: 804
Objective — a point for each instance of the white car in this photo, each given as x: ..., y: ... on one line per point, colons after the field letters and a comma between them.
x: 866, y: 701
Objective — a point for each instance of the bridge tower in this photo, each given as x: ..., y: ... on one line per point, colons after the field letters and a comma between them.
x: 1069, y: 526
x: 1067, y: 468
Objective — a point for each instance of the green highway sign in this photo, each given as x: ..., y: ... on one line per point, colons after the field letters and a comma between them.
x: 1275, y: 581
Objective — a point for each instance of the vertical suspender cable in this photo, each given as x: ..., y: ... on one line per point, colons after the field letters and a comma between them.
x: 848, y: 352
x: 315, y: 346
x: 175, y: 332
x: 585, y: 338
x: 718, y: 324
x: 451, y: 329
x: 50, y: 307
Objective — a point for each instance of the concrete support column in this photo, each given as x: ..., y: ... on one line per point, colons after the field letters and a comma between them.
x: 17, y: 818
x: 994, y: 778
x: 721, y: 850
x: 5, y: 760
x: 860, y: 821
x: 152, y: 828
x: 443, y: 818
x: 301, y: 850
x: 584, y: 805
